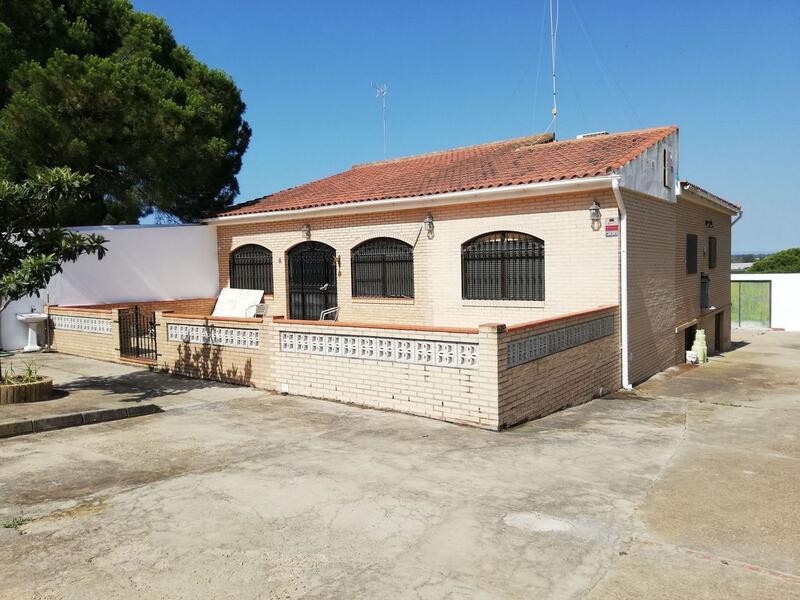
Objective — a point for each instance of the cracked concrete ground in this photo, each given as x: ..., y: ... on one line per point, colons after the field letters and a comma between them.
x: 687, y: 488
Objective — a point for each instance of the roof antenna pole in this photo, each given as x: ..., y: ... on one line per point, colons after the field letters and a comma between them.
x: 553, y: 46
x: 380, y: 92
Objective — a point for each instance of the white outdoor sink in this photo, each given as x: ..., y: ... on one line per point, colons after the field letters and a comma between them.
x: 31, y: 319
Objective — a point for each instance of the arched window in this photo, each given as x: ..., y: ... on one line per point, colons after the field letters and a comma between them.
x: 383, y: 267
x: 251, y: 268
x: 504, y: 265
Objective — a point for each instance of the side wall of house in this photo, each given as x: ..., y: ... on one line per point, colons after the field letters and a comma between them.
x: 704, y: 222
x: 581, y: 265
x: 663, y: 298
x: 651, y: 285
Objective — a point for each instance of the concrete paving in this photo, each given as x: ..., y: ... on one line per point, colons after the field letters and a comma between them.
x: 83, y: 384
x: 686, y: 488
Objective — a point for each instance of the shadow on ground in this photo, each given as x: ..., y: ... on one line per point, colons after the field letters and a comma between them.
x: 141, y: 386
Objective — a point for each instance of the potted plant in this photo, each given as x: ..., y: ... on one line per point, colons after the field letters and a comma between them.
x: 25, y: 386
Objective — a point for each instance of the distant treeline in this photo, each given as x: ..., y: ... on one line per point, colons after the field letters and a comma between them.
x: 744, y: 258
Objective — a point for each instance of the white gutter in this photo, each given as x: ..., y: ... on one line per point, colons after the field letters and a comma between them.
x: 500, y: 193
x: 739, y: 216
x: 623, y: 282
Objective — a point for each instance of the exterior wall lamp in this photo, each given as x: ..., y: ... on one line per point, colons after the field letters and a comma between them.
x: 594, y: 215
x: 428, y: 224
x: 306, y: 231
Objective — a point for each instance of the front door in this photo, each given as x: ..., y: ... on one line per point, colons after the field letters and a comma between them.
x: 312, y: 280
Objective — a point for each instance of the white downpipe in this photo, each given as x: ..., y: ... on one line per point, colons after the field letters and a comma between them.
x: 623, y: 283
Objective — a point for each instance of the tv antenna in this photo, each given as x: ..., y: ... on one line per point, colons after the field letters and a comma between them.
x: 553, y: 47
x: 380, y: 92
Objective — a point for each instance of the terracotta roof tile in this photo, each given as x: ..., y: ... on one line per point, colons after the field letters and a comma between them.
x: 518, y: 161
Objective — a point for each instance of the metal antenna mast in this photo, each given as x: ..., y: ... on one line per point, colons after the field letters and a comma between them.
x: 553, y: 47
x: 380, y: 92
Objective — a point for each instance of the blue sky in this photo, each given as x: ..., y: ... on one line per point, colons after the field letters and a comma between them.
x: 460, y: 73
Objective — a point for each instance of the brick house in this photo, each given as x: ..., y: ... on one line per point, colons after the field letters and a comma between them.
x: 484, y: 285
x: 530, y: 196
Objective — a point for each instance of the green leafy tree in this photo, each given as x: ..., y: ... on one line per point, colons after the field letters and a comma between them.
x: 785, y: 261
x: 105, y: 90
x: 33, y: 247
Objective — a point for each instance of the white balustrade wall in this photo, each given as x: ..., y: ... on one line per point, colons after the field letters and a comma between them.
x: 213, y: 335
x: 421, y: 352
x: 84, y: 324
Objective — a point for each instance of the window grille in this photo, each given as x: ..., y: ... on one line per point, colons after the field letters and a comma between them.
x: 383, y: 267
x: 503, y: 265
x: 251, y: 268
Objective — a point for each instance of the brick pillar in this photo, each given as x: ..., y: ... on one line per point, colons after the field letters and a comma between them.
x: 114, y: 346
x: 491, y: 350
x: 265, y: 378
x: 162, y: 348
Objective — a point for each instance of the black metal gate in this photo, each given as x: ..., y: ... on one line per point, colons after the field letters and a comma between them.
x: 312, y: 280
x: 137, y: 333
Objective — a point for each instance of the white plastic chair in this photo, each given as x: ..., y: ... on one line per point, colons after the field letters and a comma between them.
x: 329, y: 312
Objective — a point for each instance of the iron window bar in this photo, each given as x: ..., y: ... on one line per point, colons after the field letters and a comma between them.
x: 503, y: 265
x: 383, y: 267
x: 251, y: 268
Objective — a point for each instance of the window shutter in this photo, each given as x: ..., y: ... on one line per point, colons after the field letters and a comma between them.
x: 712, y: 253
x: 691, y: 253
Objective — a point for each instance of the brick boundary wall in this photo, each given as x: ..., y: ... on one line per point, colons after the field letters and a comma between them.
x: 221, y: 359
x: 560, y: 379
x: 105, y: 346
x: 459, y: 375
x: 193, y: 306
x: 460, y: 393
x: 102, y: 346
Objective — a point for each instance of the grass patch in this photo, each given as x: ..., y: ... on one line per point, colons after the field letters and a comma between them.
x: 16, y: 522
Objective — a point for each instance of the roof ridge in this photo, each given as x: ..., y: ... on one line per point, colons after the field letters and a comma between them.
x: 665, y: 128
x: 544, y: 138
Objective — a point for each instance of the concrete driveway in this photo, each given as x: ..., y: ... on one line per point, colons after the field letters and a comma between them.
x: 686, y: 489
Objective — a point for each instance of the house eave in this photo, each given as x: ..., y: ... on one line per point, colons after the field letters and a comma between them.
x: 695, y: 193
x: 543, y: 188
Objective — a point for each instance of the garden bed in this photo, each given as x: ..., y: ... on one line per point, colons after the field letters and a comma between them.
x: 13, y: 392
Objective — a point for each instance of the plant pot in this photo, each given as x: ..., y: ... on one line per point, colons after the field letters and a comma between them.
x: 14, y: 393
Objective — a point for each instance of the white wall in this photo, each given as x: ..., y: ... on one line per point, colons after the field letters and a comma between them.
x: 785, y: 297
x: 144, y: 262
x: 645, y: 172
